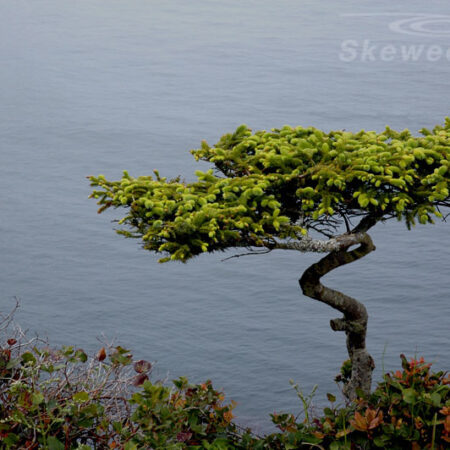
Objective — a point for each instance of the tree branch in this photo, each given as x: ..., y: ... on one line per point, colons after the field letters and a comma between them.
x: 354, y: 322
x: 310, y: 281
x: 307, y: 244
x: 247, y: 254
x: 366, y: 223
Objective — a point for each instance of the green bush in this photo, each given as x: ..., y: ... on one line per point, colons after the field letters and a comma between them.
x: 408, y: 409
x: 190, y: 416
x: 60, y: 399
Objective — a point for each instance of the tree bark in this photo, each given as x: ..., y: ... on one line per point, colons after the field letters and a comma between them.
x: 354, y: 321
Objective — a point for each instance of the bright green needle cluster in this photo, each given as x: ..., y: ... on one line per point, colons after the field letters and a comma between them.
x: 281, y: 183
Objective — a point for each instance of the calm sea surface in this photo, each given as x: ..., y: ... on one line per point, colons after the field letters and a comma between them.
x: 90, y: 86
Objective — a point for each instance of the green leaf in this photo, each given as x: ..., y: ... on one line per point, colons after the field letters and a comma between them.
x: 81, y: 355
x: 81, y: 397
x: 380, y: 441
x: 67, y: 350
x: 409, y: 395
x: 312, y: 439
x: 436, y: 399
x: 10, y: 440
x: 13, y: 363
x: 54, y: 443
x: 331, y: 398
x: 28, y: 357
x: 117, y: 427
x: 37, y: 398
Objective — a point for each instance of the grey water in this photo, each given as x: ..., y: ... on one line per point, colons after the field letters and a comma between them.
x: 91, y: 86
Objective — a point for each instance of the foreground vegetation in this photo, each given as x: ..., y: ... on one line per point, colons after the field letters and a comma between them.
x: 62, y: 399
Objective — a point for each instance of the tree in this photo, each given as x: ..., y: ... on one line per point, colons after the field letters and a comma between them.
x: 284, y: 188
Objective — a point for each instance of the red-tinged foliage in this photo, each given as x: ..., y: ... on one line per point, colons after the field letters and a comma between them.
x: 63, y: 399
x: 142, y: 366
x: 101, y: 355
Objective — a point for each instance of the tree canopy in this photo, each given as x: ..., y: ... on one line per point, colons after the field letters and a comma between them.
x: 270, y: 188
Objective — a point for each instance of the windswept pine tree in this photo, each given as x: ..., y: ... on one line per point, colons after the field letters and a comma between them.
x: 298, y: 189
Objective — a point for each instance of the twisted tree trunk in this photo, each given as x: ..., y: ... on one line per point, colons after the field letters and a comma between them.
x: 354, y: 321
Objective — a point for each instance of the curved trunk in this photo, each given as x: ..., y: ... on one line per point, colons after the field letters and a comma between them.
x: 354, y: 321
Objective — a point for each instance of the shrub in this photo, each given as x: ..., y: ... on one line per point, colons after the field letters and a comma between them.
x: 408, y: 409
x: 190, y: 416
x: 62, y: 399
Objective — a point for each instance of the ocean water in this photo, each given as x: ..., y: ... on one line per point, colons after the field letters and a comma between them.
x: 91, y: 87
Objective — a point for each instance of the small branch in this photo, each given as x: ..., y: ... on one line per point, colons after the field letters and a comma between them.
x: 324, y: 231
x: 247, y: 254
x: 347, y: 222
x: 5, y: 320
x: 341, y: 324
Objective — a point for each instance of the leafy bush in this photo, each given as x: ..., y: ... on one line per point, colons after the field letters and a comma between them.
x: 189, y: 416
x: 63, y: 399
x: 408, y: 409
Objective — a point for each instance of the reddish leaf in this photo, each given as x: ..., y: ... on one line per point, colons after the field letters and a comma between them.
x: 183, y: 436
x: 359, y: 422
x: 11, y: 341
x: 139, y: 379
x: 142, y: 366
x: 101, y: 355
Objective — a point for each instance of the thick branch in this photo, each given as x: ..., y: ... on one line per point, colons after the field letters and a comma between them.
x: 310, y: 281
x: 366, y: 223
x: 307, y: 244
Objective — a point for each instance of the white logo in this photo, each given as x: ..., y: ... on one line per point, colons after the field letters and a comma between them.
x: 428, y: 25
x: 423, y: 25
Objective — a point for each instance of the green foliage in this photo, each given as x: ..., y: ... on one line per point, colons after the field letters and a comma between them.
x: 58, y: 398
x: 61, y: 399
x: 191, y: 416
x: 281, y: 183
x: 64, y: 399
x: 408, y: 409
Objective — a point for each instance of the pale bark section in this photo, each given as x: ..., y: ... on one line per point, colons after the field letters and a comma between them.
x: 307, y: 244
x: 354, y: 321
